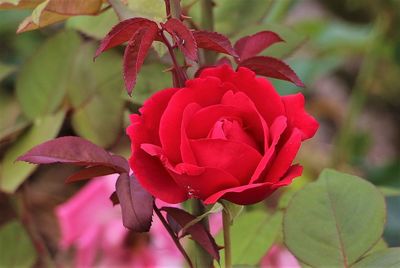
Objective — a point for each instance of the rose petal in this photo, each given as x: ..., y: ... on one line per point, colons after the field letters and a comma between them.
x: 186, y: 150
x: 250, y: 114
x: 298, y: 117
x: 205, y: 92
x: 205, y: 119
x: 148, y: 169
x: 276, y: 130
x: 253, y: 193
x: 284, y: 157
x: 237, y: 159
x: 208, y: 182
x: 154, y: 178
x: 152, y: 111
x: 259, y: 90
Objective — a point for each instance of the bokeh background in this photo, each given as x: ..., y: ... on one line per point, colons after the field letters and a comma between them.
x: 346, y: 51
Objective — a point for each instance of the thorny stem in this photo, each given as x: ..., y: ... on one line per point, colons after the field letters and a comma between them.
x: 168, y: 8
x: 179, y: 75
x: 173, y: 235
x: 226, y: 223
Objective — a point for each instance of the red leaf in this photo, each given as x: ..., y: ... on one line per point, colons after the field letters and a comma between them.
x: 90, y: 172
x: 272, y: 67
x: 114, y: 198
x: 136, y: 204
x: 214, y: 41
x: 183, y: 37
x: 136, y: 52
x: 74, y: 150
x: 197, y: 231
x: 122, y: 32
x: 250, y: 46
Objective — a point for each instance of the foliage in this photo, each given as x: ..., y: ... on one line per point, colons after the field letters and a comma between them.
x: 50, y: 87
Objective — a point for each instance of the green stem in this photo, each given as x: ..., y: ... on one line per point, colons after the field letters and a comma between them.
x: 226, y: 223
x: 202, y: 258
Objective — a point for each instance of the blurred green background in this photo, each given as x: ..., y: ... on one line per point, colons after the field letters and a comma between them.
x: 346, y: 51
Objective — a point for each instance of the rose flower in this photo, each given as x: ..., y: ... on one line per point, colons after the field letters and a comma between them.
x: 226, y: 135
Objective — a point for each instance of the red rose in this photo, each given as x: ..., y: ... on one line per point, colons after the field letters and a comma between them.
x: 226, y: 135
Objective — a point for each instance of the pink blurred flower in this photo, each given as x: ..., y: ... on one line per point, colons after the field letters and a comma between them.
x: 279, y: 257
x: 90, y: 224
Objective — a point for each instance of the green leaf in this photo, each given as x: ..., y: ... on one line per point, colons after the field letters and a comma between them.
x: 95, y: 92
x: 94, y: 26
x: 292, y: 189
x: 233, y: 15
x: 5, y: 70
x: 13, y: 174
x: 335, y: 220
x: 17, y: 250
x: 10, y: 107
x: 388, y: 258
x: 42, y: 82
x: 381, y: 245
x: 151, y: 9
x: 252, y: 234
x: 146, y: 85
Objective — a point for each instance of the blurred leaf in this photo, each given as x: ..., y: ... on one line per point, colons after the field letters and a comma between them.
x: 17, y: 250
x: 151, y: 9
x: 19, y: 4
x: 5, y: 70
x: 37, y: 12
x: 94, y: 91
x: 14, y: 2
x: 334, y: 221
x: 94, y: 26
x: 385, y: 258
x: 309, y: 70
x: 42, y: 82
x: 52, y: 11
x: 13, y: 122
x: 252, y: 234
x: 338, y: 37
x: 13, y: 174
x: 146, y: 85
x: 233, y: 15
